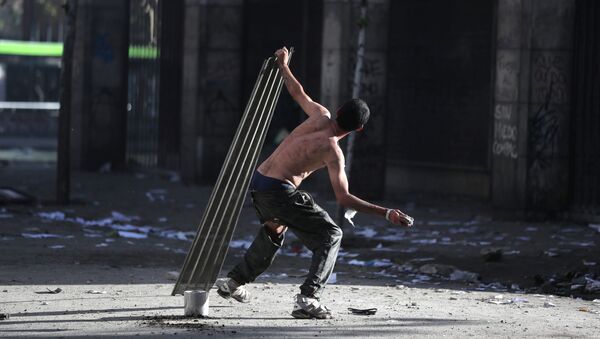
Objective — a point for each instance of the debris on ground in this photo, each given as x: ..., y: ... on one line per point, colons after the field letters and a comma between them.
x: 549, y: 304
x: 4, y: 316
x: 95, y: 292
x: 10, y: 195
x: 464, y: 276
x: 500, y: 300
x: 362, y: 311
x: 491, y: 254
x: 44, y: 235
x: 49, y: 291
x: 172, y: 275
x: 592, y: 285
x: 177, y: 322
x: 437, y: 269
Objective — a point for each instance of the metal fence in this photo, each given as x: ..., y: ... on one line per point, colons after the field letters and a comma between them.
x: 143, y: 84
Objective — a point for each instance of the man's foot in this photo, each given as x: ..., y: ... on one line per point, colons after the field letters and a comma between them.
x: 309, y: 308
x: 229, y: 288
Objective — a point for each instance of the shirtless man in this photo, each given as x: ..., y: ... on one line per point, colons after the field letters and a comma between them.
x: 279, y: 204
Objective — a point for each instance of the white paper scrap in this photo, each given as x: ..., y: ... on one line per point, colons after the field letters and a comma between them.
x: 350, y: 213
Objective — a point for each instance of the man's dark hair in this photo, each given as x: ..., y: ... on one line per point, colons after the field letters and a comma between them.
x: 353, y: 115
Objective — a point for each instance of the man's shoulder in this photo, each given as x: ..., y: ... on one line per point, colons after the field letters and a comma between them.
x: 335, y: 152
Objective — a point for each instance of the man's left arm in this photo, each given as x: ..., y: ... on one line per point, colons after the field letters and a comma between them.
x: 339, y: 182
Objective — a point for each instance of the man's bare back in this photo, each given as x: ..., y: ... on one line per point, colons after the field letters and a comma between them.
x: 314, y: 144
x: 309, y: 147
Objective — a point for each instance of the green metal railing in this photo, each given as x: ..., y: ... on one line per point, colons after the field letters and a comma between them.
x: 55, y: 49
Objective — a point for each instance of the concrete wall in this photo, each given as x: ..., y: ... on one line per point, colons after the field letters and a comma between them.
x: 532, y: 104
x: 340, y: 33
x: 211, y: 85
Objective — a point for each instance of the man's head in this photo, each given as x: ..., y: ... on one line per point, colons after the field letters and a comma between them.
x: 352, y: 115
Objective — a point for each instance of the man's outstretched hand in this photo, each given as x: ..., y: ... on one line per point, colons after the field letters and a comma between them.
x: 397, y: 217
x: 282, y: 55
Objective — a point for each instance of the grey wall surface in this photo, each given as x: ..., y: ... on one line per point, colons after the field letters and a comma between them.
x: 532, y: 104
x: 211, y: 85
x: 340, y: 34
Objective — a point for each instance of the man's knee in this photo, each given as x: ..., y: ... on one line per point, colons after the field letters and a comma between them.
x: 336, y: 234
x: 274, y: 229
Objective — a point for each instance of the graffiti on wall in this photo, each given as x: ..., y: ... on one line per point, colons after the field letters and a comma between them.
x: 222, y: 90
x: 549, y: 90
x: 505, y: 132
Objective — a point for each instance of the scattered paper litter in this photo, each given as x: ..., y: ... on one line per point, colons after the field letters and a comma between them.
x: 592, y: 285
x: 499, y: 300
x: 132, y: 235
x: 245, y: 244
x: 380, y: 247
x: 549, y: 304
x: 116, y: 222
x: 471, y: 229
x: 117, y: 216
x: 44, y: 235
x: 424, y: 241
x: 157, y: 194
x: 520, y: 300
x: 367, y: 232
x: 582, y: 243
x: 58, y: 216
x: 350, y: 213
x: 95, y: 292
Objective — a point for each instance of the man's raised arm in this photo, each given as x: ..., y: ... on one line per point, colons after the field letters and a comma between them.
x: 339, y: 181
x: 295, y: 89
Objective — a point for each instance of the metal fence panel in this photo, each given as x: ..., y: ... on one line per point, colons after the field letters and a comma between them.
x: 206, y: 256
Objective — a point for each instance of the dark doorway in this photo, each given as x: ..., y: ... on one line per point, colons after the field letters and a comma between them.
x: 585, y: 151
x: 440, y: 83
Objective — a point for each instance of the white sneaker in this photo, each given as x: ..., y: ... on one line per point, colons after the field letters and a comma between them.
x: 309, y: 308
x: 229, y: 288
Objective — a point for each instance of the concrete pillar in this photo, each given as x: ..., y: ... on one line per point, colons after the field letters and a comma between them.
x: 532, y: 104
x: 340, y: 31
x: 194, y: 29
x: 211, y: 85
x: 100, y: 84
